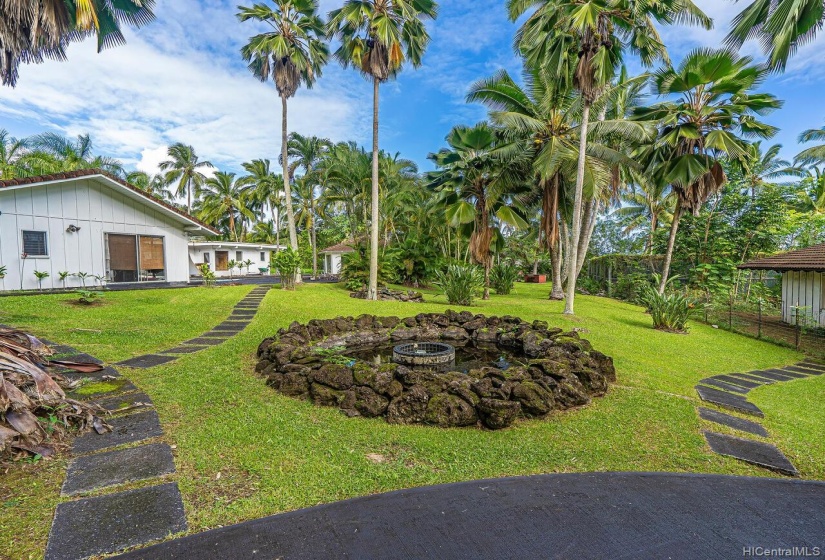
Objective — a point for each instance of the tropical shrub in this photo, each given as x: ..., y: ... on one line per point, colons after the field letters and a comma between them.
x: 589, y: 285
x: 503, y: 277
x: 64, y: 276
x: 415, y: 261
x: 631, y: 287
x: 670, y: 312
x: 88, y: 297
x: 40, y: 275
x: 355, y: 266
x: 209, y: 277
x: 3, y: 271
x: 288, y: 264
x: 82, y: 276
x: 461, y: 283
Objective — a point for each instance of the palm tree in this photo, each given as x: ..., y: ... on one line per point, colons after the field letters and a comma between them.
x: 647, y: 205
x: 780, y: 25
x: 585, y: 41
x: 347, y: 176
x: 264, y: 232
x: 33, y: 30
x: 812, y: 195
x: 12, y: 151
x: 292, y: 54
x: 816, y: 154
x: 758, y: 168
x: 153, y: 184
x: 224, y: 197
x: 53, y: 153
x: 713, y: 111
x: 478, y: 191
x: 376, y: 37
x: 185, y: 169
x: 542, y: 120
x: 267, y: 190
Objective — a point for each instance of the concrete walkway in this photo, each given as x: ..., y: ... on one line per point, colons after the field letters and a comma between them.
x: 575, y: 516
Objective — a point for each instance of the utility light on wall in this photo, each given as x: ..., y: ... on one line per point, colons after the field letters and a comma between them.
x: 72, y: 229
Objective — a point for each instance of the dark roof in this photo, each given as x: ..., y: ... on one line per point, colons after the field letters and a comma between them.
x: 809, y: 259
x: 343, y: 247
x: 99, y: 172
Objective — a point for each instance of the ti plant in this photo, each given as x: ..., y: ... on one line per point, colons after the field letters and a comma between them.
x: 41, y: 275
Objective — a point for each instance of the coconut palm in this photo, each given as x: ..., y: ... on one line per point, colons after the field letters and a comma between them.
x: 224, y: 197
x: 293, y: 53
x: 264, y: 232
x: 478, y: 191
x: 186, y: 169
x: 816, y: 154
x: 53, y: 153
x: 347, y: 176
x: 781, y: 26
x: 267, y: 190
x: 155, y: 185
x: 33, y: 30
x: 647, y: 205
x: 713, y: 109
x: 377, y: 36
x: 12, y: 151
x: 757, y: 168
x: 812, y: 195
x: 583, y: 42
x: 305, y: 200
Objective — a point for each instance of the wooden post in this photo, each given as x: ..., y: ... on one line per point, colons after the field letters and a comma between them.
x: 759, y: 324
x: 730, y: 313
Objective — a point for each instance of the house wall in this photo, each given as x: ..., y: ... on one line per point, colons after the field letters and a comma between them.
x: 332, y: 263
x: 93, y: 207
x: 196, y: 259
x: 803, y: 289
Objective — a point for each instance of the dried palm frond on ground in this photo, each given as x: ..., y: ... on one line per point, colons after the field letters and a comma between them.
x: 35, y: 414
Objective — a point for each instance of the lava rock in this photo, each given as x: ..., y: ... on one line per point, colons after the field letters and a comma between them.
x: 334, y: 375
x: 497, y: 414
x: 409, y: 408
x: 449, y: 411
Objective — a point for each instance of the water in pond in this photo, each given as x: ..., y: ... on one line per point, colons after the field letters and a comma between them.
x: 471, y: 356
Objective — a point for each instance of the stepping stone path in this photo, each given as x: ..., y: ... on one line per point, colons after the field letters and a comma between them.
x: 730, y: 391
x: 241, y: 316
x: 110, y: 520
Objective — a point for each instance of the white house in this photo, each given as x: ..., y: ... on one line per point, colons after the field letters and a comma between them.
x: 803, y: 282
x: 218, y: 255
x: 333, y: 256
x: 93, y: 224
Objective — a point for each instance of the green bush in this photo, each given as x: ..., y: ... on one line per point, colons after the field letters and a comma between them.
x: 670, y: 312
x: 355, y: 267
x: 461, y: 283
x: 287, y: 262
x: 631, y: 287
x: 415, y: 261
x: 589, y: 285
x: 503, y: 277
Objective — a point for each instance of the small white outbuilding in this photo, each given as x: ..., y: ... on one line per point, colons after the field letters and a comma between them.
x: 803, y: 281
x: 247, y: 258
x: 90, y: 227
x: 333, y: 256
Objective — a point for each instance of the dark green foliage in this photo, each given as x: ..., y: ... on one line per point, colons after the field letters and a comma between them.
x: 630, y: 287
x: 415, y: 260
x: 502, y: 278
x: 461, y: 283
x: 287, y: 262
x: 670, y: 312
x: 355, y: 266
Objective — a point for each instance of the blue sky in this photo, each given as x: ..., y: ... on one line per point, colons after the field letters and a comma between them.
x: 181, y: 79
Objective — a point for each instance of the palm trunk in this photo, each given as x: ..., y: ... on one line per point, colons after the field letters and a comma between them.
x: 573, y: 258
x: 290, y: 214
x: 232, y: 233
x: 312, y: 240
x: 557, y: 293
x: 487, y: 264
x: 565, y: 251
x: 588, y: 225
x: 373, y: 287
x: 671, y: 242
x: 189, y: 196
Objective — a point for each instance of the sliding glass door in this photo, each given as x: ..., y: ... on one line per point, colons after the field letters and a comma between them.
x: 135, y: 258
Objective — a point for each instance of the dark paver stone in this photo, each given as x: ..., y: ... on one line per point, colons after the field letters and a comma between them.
x: 804, y: 370
x: 724, y: 386
x: 727, y: 400
x: 732, y: 422
x: 771, y: 375
x: 813, y: 365
x: 107, y: 524
x: 147, y: 361
x: 754, y: 378
x: 106, y: 373
x: 123, y: 402
x: 125, y: 429
x: 184, y: 350
x: 754, y: 452
x: 82, y: 358
x: 61, y: 348
x: 559, y: 516
x: 234, y: 327
x: 206, y: 341
x: 97, y: 388
x: 792, y: 374
x: 737, y: 381
x: 118, y: 467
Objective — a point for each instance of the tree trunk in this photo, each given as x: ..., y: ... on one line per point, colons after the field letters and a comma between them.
x: 314, y: 242
x: 576, y: 232
x: 588, y: 225
x: 189, y: 196
x: 564, y: 245
x: 232, y: 234
x: 671, y: 242
x: 290, y: 214
x: 374, y: 226
x: 557, y: 293
x: 487, y: 265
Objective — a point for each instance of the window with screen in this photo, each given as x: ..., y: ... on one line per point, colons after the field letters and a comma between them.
x: 239, y: 256
x: 135, y: 258
x: 263, y: 256
x: 35, y: 244
x: 206, y: 258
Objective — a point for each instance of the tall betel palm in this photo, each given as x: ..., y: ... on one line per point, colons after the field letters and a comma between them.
x: 292, y: 54
x: 266, y: 190
x: 585, y: 41
x: 33, y: 30
x: 225, y: 199
x: 186, y: 169
x: 714, y: 111
x: 377, y: 36
x: 780, y: 25
x: 478, y: 190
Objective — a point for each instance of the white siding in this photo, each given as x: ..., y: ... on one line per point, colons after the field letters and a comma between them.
x: 96, y: 209
x: 254, y: 254
x: 803, y: 289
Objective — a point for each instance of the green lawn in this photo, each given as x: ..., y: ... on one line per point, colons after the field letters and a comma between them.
x: 275, y: 454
